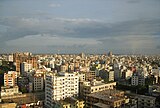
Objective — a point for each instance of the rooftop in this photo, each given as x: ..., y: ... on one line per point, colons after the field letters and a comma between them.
x: 108, y: 95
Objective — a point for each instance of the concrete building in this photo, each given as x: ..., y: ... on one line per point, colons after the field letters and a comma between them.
x: 142, y: 100
x: 137, y: 80
x: 38, y: 82
x: 9, y: 91
x: 59, y: 86
x: 106, y: 99
x: 134, y: 80
x: 10, y: 78
x: 88, y: 87
x: 146, y: 101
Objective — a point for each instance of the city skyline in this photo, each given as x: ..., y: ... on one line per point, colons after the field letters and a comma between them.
x: 72, y: 26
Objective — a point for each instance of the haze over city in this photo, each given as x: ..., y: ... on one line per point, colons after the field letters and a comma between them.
x: 73, y: 26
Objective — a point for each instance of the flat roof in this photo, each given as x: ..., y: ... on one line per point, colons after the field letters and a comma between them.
x: 108, y: 95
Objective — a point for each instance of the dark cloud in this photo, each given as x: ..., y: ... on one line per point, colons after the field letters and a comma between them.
x: 81, y: 28
x: 136, y: 27
x: 121, y: 35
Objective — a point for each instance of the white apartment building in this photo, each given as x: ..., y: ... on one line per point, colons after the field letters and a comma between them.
x: 25, y: 67
x: 38, y: 82
x: 10, y: 78
x: 59, y: 86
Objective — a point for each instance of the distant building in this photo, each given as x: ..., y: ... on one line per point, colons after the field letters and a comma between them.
x: 90, y: 75
x: 25, y: 67
x: 137, y: 80
x: 110, y: 54
x: 52, y: 64
x: 10, y: 57
x: 25, y: 57
x: 64, y: 68
x: 107, y: 75
x: 134, y: 80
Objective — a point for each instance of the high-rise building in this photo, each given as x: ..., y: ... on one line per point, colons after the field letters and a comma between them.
x: 10, y: 78
x: 59, y: 86
x: 38, y: 82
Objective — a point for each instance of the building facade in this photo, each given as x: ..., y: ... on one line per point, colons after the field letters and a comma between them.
x: 59, y: 86
x: 38, y: 82
x: 10, y: 78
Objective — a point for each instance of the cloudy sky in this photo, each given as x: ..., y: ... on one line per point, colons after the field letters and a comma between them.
x: 74, y: 26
